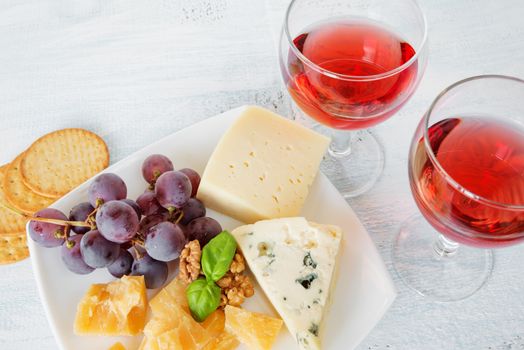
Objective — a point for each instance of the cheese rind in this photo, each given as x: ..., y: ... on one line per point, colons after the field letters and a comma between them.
x: 294, y: 261
x: 262, y: 167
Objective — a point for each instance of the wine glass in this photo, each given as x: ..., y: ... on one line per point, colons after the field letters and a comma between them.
x: 466, y: 171
x: 349, y: 65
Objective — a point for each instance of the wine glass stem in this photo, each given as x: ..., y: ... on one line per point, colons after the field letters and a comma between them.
x: 341, y: 141
x: 445, y: 247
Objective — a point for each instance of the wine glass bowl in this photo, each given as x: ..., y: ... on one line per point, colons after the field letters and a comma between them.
x: 349, y: 66
x: 350, y: 74
x: 466, y: 172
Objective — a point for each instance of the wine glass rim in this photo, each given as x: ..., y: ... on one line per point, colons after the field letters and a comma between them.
x: 433, y: 157
x: 335, y: 75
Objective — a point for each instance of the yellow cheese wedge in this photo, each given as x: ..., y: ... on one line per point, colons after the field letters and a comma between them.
x: 225, y: 341
x: 175, y: 330
x: 117, y: 346
x: 116, y: 308
x: 262, y: 167
x: 172, y: 326
x: 173, y: 293
x: 257, y: 331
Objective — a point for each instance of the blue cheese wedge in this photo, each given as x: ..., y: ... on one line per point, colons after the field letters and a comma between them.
x: 294, y: 261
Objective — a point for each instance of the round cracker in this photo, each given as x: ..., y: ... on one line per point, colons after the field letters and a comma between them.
x: 13, y: 248
x: 59, y: 161
x: 9, y: 221
x: 18, y: 194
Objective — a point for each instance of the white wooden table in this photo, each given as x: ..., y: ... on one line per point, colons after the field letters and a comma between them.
x: 134, y: 71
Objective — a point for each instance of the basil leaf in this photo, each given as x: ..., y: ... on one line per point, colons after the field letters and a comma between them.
x: 217, y: 256
x: 203, y: 298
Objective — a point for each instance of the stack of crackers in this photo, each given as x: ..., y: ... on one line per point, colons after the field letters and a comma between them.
x: 51, y: 167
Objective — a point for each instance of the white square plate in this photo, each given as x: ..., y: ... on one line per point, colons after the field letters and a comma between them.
x: 364, y: 289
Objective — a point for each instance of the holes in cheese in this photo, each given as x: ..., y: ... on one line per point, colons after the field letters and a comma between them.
x: 262, y: 167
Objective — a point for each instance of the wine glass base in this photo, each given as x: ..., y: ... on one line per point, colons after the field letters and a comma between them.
x: 438, y: 277
x: 356, y: 171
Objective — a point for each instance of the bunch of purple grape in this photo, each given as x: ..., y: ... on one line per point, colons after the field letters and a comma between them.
x: 130, y: 237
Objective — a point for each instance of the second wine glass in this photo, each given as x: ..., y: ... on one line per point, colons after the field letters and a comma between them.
x: 349, y: 66
x: 466, y: 172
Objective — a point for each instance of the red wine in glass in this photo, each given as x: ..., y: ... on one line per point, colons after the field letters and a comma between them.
x: 484, y: 156
x: 353, y: 50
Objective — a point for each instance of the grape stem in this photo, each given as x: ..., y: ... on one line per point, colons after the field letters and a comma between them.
x: 172, y: 211
x: 180, y: 217
x: 47, y: 220
x: 139, y: 240
x: 99, y: 202
x: 137, y: 253
x: 93, y: 212
x: 59, y: 222
x: 91, y: 220
x: 67, y: 232
x: 152, y: 184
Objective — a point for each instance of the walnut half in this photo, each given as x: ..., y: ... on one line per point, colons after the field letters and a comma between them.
x: 237, y: 265
x: 190, y: 262
x: 235, y: 289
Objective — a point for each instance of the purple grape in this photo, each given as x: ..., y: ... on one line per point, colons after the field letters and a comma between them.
x: 154, y: 271
x: 165, y: 241
x: 154, y: 166
x: 173, y: 189
x: 148, y: 203
x: 203, y: 229
x: 122, y: 265
x: 80, y: 212
x: 72, y: 257
x: 98, y: 251
x: 117, y: 221
x: 192, y: 210
x: 194, y: 177
x: 150, y: 221
x: 133, y: 205
x: 45, y: 233
x: 106, y: 187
